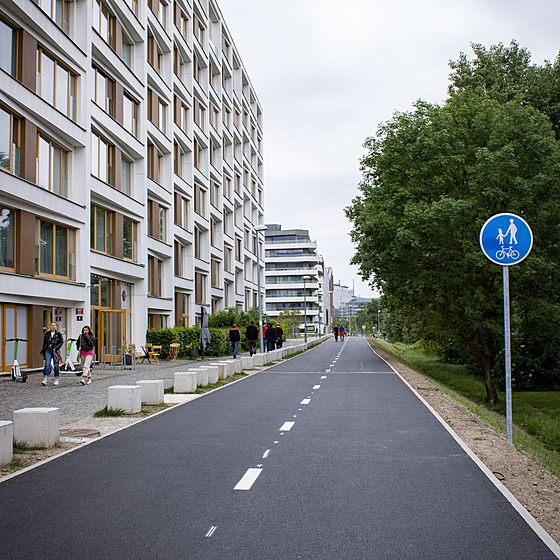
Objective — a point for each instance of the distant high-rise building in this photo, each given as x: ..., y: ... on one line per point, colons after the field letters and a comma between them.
x: 131, y: 169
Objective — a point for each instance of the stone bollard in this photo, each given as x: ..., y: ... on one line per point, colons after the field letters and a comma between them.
x: 37, y: 427
x: 221, y: 369
x: 6, y: 442
x: 213, y: 373
x: 152, y: 391
x: 259, y: 359
x: 229, y: 368
x: 236, y: 365
x: 184, y: 382
x: 201, y: 376
x: 247, y: 363
x: 127, y: 398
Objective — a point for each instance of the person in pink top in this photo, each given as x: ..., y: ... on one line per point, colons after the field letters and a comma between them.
x: 86, y: 344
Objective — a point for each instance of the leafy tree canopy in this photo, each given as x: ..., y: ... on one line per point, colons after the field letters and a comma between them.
x: 431, y: 178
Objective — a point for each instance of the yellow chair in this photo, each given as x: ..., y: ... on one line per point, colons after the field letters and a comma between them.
x: 154, y: 354
x: 173, y: 351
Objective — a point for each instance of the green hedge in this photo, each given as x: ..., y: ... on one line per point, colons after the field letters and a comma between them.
x: 189, y: 338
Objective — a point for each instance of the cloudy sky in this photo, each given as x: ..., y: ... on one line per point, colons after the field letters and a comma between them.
x: 328, y: 72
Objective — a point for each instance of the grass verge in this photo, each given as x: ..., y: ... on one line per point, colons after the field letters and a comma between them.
x: 536, y: 415
x: 220, y: 383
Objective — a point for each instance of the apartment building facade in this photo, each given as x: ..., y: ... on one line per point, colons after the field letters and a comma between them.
x: 131, y: 169
x: 291, y: 255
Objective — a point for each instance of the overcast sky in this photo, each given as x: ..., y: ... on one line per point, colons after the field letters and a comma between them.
x: 328, y: 72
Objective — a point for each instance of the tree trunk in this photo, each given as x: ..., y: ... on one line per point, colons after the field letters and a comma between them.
x: 483, y: 358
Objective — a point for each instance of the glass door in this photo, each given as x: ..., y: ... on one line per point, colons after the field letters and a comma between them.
x: 112, y: 332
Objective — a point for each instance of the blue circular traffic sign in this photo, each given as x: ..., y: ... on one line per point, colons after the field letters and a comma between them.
x: 506, y: 239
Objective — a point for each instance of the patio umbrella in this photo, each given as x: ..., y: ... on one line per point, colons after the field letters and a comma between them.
x: 204, y: 332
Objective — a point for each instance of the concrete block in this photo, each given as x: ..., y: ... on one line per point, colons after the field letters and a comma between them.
x: 201, y: 376
x: 152, y: 391
x: 127, y: 398
x: 236, y: 365
x: 221, y: 369
x: 37, y: 426
x: 229, y: 368
x: 274, y: 356
x: 247, y: 363
x: 259, y: 359
x: 213, y: 373
x: 6, y: 442
x: 184, y: 381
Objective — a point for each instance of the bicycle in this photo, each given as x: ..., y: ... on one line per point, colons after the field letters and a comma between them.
x: 17, y: 374
x: 508, y: 252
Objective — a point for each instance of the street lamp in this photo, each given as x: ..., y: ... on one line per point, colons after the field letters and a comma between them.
x: 378, y: 329
x: 257, y: 229
x: 305, y: 278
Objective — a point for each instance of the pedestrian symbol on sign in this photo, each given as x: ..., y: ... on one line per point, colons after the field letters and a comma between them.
x: 506, y: 248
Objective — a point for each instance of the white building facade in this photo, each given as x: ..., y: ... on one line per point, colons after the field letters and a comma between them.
x: 131, y: 169
x: 293, y: 274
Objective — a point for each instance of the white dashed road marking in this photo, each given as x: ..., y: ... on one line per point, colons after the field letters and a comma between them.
x: 211, y: 531
x: 316, y: 386
x: 305, y: 401
x: 248, y: 479
x: 287, y: 426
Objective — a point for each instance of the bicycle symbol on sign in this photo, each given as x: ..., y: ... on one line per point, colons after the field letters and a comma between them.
x: 508, y: 252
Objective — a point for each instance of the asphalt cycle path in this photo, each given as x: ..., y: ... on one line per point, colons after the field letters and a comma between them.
x: 328, y: 455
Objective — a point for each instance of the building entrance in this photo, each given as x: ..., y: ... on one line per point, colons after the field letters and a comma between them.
x: 13, y: 324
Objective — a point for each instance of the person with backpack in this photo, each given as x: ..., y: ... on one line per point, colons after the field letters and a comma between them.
x: 52, y: 343
x: 270, y: 337
x: 234, y: 338
x: 279, y: 336
x: 335, y: 331
x: 252, y: 335
x: 86, y: 348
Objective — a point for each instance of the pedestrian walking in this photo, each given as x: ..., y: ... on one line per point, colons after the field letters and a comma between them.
x: 341, y: 331
x: 252, y: 335
x: 279, y: 336
x: 270, y: 337
x: 52, y: 343
x: 335, y: 331
x: 234, y: 338
x: 86, y: 347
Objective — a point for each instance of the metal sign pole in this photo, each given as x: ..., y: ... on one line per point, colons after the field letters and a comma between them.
x: 507, y: 331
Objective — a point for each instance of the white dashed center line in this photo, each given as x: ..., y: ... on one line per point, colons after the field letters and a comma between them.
x: 287, y: 426
x: 265, y: 455
x: 211, y: 531
x: 316, y: 386
x: 248, y: 479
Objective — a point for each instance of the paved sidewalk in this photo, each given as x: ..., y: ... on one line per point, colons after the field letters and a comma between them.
x: 78, y: 403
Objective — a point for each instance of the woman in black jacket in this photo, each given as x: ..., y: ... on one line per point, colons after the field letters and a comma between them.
x: 52, y: 342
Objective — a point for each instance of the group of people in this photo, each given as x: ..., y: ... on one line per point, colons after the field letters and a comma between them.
x: 338, y: 330
x: 52, y: 343
x: 273, y: 335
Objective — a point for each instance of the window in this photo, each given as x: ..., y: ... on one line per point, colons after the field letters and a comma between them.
x: 198, y: 29
x: 8, y: 48
x: 157, y: 221
x: 104, y: 22
x: 197, y: 150
x: 181, y: 211
x: 179, y: 259
x: 162, y: 116
x: 181, y: 115
x: 130, y: 240
x: 181, y: 22
x: 214, y: 117
x: 155, y: 269
x: 155, y: 55
x: 237, y: 249
x: 104, y: 91
x: 182, y: 302
x: 126, y: 51
x: 197, y: 69
x: 199, y: 200
x: 130, y: 115
x: 215, y: 273
x: 134, y: 7
x: 7, y: 238
x: 56, y: 250
x: 197, y: 243
x: 102, y: 221
x: 226, y: 117
x: 227, y: 259
x: 227, y: 187
x: 55, y: 84
x: 126, y: 176
x: 102, y: 154
x: 200, y: 287
x: 157, y: 321
x: 10, y: 141
x: 58, y: 11
x: 199, y: 114
x: 52, y: 166
x: 155, y: 163
x: 101, y: 291
x: 214, y: 194
x: 179, y: 64
x: 179, y: 159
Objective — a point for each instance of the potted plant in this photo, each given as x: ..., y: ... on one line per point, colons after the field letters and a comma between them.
x: 192, y: 349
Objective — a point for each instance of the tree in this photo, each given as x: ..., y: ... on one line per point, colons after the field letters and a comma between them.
x: 288, y: 319
x: 431, y: 178
x: 506, y: 74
